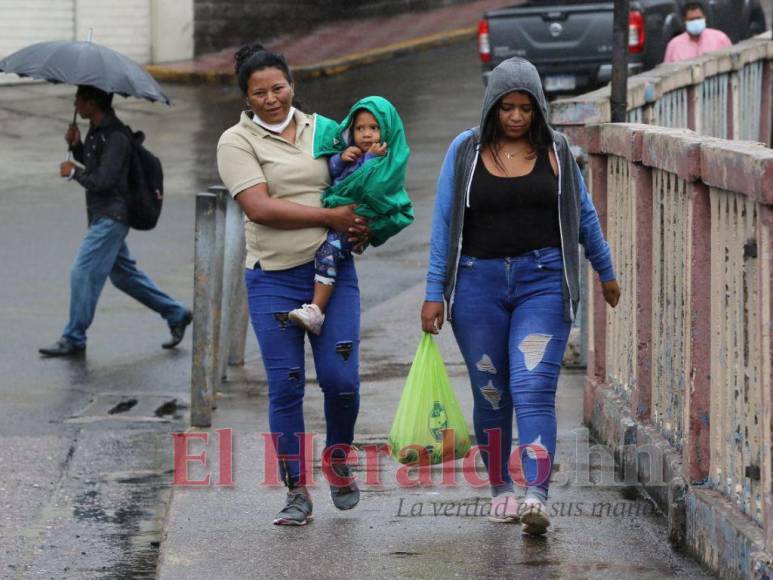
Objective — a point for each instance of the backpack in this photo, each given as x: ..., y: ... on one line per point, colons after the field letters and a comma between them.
x: 146, y: 184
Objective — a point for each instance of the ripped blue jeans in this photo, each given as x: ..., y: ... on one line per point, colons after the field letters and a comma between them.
x: 271, y: 295
x: 508, y: 319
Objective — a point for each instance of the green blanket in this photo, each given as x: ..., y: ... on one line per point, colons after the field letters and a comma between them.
x: 378, y: 187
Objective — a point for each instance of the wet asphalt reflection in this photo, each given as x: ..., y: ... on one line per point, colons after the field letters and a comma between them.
x: 83, y: 489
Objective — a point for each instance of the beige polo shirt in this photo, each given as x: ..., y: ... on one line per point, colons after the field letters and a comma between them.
x: 247, y: 155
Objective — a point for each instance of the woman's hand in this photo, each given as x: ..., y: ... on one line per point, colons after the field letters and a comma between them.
x: 432, y: 316
x: 611, y: 292
x: 343, y: 219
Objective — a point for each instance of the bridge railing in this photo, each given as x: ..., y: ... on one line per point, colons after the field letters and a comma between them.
x: 721, y: 94
x: 687, y: 352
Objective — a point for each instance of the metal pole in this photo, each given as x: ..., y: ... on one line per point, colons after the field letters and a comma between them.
x: 240, y: 316
x: 221, y: 195
x: 585, y: 292
x: 233, y: 267
x: 619, y: 99
x: 202, y: 387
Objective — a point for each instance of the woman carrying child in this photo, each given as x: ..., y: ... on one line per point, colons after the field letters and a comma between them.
x: 267, y: 163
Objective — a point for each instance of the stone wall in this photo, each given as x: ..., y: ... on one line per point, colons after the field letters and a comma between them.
x: 225, y: 23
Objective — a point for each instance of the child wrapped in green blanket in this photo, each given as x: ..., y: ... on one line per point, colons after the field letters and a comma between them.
x: 368, y: 163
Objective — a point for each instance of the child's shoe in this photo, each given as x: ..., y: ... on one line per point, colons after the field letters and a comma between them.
x: 309, y: 316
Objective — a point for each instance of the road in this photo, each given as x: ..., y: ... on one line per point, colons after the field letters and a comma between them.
x: 82, y: 490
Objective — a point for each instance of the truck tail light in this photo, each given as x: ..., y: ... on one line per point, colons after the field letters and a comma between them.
x: 484, y: 46
x: 635, y: 32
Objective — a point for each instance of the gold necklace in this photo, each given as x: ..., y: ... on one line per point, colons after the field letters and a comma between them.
x: 528, y: 156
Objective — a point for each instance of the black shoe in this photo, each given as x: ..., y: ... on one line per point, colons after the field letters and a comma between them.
x: 63, y: 347
x: 348, y: 496
x: 297, y: 510
x: 178, y: 331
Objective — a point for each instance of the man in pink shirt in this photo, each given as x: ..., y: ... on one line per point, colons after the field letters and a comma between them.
x: 698, y: 39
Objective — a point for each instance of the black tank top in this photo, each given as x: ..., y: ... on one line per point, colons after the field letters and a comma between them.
x: 509, y: 216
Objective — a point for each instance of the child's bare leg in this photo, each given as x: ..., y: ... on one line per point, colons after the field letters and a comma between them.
x: 322, y: 295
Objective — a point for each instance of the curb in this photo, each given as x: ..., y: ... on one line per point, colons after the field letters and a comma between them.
x: 325, y: 68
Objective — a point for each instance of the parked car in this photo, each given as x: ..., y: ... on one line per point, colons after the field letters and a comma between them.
x: 571, y: 43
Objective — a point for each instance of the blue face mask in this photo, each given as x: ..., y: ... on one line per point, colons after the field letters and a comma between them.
x: 696, y: 27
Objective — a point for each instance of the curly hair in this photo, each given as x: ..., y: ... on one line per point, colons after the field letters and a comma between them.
x: 253, y: 57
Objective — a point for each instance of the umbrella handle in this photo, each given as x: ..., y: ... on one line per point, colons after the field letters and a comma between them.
x: 69, y: 147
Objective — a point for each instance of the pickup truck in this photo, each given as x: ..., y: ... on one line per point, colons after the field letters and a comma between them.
x: 570, y: 42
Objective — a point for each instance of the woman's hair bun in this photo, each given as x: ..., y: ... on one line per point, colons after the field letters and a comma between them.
x: 244, y: 53
x: 254, y: 57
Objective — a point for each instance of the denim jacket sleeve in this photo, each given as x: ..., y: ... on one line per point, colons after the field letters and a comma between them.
x: 438, y: 244
x: 591, y: 236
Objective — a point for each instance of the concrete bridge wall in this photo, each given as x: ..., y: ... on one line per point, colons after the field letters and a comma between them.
x: 681, y: 369
x: 679, y: 374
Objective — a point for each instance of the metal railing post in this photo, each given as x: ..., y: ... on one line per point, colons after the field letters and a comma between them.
x: 240, y: 316
x: 204, y: 324
x: 233, y: 284
x: 222, y: 196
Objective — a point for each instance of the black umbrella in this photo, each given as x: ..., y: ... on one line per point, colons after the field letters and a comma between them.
x: 84, y: 63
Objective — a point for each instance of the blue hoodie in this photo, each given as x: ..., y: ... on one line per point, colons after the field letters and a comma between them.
x: 578, y: 221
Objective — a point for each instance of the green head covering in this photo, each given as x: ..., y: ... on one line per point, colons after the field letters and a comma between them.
x: 378, y: 186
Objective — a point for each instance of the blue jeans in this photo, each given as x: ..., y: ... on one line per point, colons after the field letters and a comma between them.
x: 103, y: 253
x: 509, y: 323
x: 271, y: 295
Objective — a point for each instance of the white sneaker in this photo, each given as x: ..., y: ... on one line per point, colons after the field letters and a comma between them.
x: 309, y: 316
x: 534, y: 517
x: 504, y: 509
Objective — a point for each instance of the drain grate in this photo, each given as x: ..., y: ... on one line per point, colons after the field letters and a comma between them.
x: 123, y: 407
x: 118, y: 407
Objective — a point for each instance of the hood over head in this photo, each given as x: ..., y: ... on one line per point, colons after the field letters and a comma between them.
x: 332, y: 137
x: 514, y: 74
x: 386, y: 116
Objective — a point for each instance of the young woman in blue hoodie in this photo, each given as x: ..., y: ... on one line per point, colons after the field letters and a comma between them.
x: 511, y: 210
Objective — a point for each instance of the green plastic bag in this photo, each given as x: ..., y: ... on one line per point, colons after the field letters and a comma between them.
x: 427, y: 408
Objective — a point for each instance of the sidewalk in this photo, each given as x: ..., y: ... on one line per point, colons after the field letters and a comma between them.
x: 395, y: 532
x: 336, y: 47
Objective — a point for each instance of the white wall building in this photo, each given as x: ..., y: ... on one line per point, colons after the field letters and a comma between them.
x: 148, y: 31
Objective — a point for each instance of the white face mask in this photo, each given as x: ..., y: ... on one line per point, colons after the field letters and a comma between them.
x: 696, y: 27
x: 275, y: 127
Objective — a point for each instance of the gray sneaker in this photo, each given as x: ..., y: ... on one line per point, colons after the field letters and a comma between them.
x: 534, y: 517
x: 297, y: 510
x: 348, y: 496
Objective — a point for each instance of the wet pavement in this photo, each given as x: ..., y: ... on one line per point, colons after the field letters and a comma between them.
x: 60, y: 447
x: 601, y: 528
x: 83, y: 491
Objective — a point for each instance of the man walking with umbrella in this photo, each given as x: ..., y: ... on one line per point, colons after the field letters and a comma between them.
x: 106, y: 157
